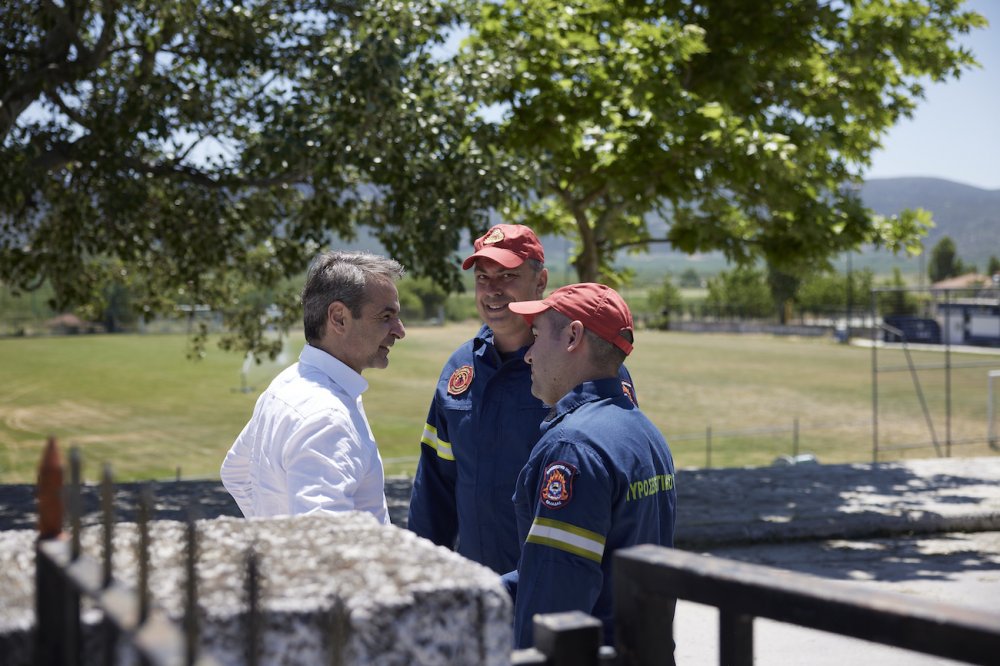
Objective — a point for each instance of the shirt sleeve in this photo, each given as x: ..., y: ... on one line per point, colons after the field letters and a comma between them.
x: 560, y: 569
x: 324, y: 462
x: 433, y: 512
x: 235, y: 472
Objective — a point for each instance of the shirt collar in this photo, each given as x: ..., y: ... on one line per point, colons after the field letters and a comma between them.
x: 484, y: 341
x: 352, y: 382
x: 581, y: 394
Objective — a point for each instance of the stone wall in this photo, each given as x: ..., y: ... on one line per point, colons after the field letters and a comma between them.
x: 335, y: 589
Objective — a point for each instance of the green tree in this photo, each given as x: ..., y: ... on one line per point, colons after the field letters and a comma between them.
x: 690, y: 278
x: 898, y: 301
x: 664, y: 301
x: 429, y: 297
x: 784, y: 287
x: 745, y: 125
x: 741, y: 292
x: 944, y: 262
x: 196, y: 151
x: 993, y: 267
x: 827, y: 292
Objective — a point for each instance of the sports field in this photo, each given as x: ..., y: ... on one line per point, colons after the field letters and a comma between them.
x: 137, y: 402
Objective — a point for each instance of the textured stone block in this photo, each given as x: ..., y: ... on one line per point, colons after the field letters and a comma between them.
x: 335, y: 589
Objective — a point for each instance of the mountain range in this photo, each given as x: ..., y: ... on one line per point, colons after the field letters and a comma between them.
x: 969, y: 215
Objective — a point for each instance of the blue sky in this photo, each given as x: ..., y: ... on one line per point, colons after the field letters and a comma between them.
x: 955, y: 131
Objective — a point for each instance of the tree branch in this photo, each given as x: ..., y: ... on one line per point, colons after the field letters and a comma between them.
x: 634, y: 243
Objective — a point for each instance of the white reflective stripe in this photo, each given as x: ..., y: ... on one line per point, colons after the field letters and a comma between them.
x: 430, y: 436
x: 567, y: 537
x: 444, y: 450
x: 442, y: 447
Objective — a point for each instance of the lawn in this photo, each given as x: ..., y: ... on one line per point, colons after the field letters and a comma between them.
x: 138, y: 403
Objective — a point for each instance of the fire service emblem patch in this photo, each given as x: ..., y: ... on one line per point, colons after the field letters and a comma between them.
x: 557, y: 484
x: 460, y: 380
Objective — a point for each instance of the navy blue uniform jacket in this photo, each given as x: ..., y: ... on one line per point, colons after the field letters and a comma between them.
x: 600, y: 478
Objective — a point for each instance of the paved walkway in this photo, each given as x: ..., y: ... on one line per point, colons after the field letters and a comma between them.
x: 927, y: 528
x: 719, y: 507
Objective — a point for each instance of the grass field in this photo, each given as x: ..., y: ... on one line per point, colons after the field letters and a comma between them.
x: 138, y: 403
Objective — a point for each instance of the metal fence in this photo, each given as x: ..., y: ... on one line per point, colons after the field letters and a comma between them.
x: 64, y: 576
x: 916, y: 370
x: 649, y: 578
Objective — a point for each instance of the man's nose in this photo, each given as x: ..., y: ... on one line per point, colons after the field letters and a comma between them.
x: 493, y: 285
x: 399, y: 330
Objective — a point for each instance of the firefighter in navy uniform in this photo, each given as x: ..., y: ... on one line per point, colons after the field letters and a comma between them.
x: 600, y: 478
x: 483, y: 420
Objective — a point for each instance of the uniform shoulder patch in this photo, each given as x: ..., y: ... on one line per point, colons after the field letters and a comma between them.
x: 460, y: 380
x: 557, y: 484
x: 629, y: 392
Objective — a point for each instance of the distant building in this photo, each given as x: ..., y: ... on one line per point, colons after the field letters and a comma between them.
x: 971, y: 315
x: 967, y: 281
x: 69, y: 324
x: 965, y: 310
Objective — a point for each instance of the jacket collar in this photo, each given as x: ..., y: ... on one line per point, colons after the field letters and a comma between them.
x: 590, y: 391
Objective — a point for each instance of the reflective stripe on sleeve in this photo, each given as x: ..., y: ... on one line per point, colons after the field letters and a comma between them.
x: 572, y: 539
x: 442, y: 447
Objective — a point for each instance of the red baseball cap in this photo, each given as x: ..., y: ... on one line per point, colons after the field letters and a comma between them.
x: 597, y: 306
x: 508, y: 245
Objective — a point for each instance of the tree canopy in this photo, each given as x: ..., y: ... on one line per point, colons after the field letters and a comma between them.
x: 744, y: 125
x: 201, y: 151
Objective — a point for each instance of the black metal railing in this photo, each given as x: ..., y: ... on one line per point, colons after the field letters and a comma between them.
x: 648, y: 577
x: 64, y: 576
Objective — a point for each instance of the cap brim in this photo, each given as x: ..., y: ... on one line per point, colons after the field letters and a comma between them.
x: 505, y: 258
x: 528, y: 309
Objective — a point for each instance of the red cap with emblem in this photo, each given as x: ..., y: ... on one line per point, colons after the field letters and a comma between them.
x: 508, y: 245
x: 597, y: 306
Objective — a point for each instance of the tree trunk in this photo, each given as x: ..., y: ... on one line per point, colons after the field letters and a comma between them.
x: 588, y: 261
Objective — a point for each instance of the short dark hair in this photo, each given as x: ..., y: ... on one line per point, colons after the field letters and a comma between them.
x: 535, y: 265
x: 604, y: 355
x: 341, y: 276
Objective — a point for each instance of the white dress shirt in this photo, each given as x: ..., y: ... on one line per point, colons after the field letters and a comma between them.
x: 308, y: 446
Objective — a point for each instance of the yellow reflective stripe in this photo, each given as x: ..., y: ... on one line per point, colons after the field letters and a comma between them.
x: 442, y: 447
x: 570, y: 538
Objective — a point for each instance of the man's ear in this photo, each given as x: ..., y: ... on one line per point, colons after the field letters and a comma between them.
x: 336, y: 316
x: 576, y: 330
x: 543, y: 281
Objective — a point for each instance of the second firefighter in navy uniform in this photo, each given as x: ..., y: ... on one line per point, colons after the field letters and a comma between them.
x: 600, y: 478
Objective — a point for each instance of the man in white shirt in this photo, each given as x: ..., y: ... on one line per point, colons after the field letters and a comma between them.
x: 308, y: 447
